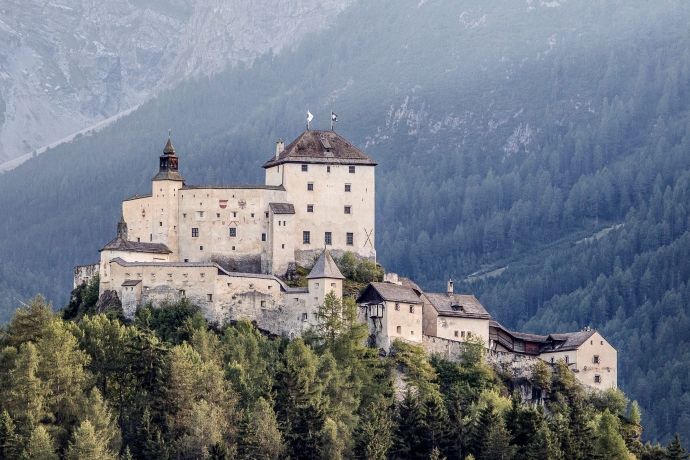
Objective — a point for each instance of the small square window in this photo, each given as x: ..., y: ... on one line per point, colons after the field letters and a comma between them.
x: 352, y: 169
x: 233, y: 232
x: 601, y: 343
x: 234, y: 214
x: 462, y: 334
x: 305, y: 167
x: 566, y: 360
x: 209, y: 297
x: 201, y: 213
x: 266, y: 215
x: 304, y: 316
x: 195, y: 232
x: 348, y: 209
x: 348, y: 187
x: 263, y: 237
x: 252, y: 215
x: 328, y: 169
x: 469, y: 334
x: 282, y: 246
x: 411, y: 308
x: 310, y: 186
x: 203, y: 275
x: 138, y: 240
x: 218, y: 215
x: 263, y: 304
x: 306, y: 237
x: 597, y: 379
x: 327, y: 238
x: 233, y: 248
x: 183, y: 294
x: 397, y: 307
x: 160, y: 224
x: 310, y: 208
x: 201, y: 248
x: 184, y: 216
x: 596, y: 359
x: 350, y: 239
x: 186, y: 260
x: 398, y: 330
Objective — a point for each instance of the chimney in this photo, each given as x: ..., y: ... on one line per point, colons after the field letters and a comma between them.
x: 279, y: 147
x: 450, y: 287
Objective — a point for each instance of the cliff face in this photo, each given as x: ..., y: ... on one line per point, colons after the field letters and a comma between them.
x: 67, y: 64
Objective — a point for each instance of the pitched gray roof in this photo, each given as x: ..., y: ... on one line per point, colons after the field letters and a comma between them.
x: 119, y: 244
x: 282, y: 208
x: 325, y: 267
x: 521, y: 335
x: 464, y: 306
x: 325, y: 147
x: 570, y: 340
x: 393, y: 293
x: 168, y: 175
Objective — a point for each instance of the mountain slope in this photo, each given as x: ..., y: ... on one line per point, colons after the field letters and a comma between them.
x: 69, y: 64
x: 505, y: 134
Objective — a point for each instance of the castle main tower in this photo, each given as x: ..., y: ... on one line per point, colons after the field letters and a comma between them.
x: 332, y: 186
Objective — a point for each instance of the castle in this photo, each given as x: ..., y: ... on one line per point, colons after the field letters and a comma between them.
x: 230, y: 248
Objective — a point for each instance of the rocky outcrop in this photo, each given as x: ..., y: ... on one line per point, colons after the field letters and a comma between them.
x: 68, y: 64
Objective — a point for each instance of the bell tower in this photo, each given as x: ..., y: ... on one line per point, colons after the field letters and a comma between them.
x: 122, y: 228
x: 168, y: 164
x: 164, y: 204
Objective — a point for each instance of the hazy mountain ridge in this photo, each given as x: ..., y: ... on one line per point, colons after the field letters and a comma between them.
x: 71, y: 63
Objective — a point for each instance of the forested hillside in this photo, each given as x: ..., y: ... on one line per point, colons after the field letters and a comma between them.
x: 508, y: 134
x: 168, y: 386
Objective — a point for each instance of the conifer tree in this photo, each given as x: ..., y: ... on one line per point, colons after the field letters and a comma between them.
x: 9, y: 441
x: 97, y: 412
x: 374, y: 432
x: 409, y: 437
x: 436, y: 423
x: 40, y: 446
x: 497, y: 443
x: 675, y: 450
x: 26, y: 399
x: 610, y: 444
x: 86, y: 444
x: 28, y: 324
x: 479, y: 430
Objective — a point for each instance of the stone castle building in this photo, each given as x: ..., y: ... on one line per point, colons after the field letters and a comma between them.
x: 230, y: 248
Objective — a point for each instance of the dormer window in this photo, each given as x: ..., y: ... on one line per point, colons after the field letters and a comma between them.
x: 457, y: 308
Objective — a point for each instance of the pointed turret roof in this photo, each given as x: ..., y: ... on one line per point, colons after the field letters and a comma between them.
x: 168, y: 167
x: 326, y: 147
x: 325, y: 267
x: 169, y: 149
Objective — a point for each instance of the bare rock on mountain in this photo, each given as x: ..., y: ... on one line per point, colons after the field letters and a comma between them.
x: 68, y: 64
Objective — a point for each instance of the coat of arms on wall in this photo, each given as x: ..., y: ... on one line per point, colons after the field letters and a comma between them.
x: 223, y: 204
x: 242, y: 203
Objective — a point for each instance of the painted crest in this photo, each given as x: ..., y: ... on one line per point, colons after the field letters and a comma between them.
x: 143, y: 213
x: 242, y: 203
x: 223, y: 204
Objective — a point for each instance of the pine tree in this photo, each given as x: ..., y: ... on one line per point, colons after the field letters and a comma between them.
x: 26, y: 400
x: 479, y: 430
x: 610, y: 444
x: 40, y: 446
x: 497, y: 443
x: 675, y: 450
x: 374, y: 432
x: 436, y: 425
x: 408, y: 438
x: 86, y: 444
x: 9, y: 441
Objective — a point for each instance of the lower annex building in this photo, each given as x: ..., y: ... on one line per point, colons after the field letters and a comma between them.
x: 229, y: 248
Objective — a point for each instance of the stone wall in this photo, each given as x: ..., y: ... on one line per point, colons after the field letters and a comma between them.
x: 84, y: 273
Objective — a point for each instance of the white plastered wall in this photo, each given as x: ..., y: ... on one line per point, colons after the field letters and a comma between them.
x: 329, y: 200
x: 448, y: 325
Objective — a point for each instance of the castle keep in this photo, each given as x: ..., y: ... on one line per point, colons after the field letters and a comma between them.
x: 230, y: 248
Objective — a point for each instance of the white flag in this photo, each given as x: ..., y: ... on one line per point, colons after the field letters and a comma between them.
x: 334, y: 117
x: 310, y: 117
